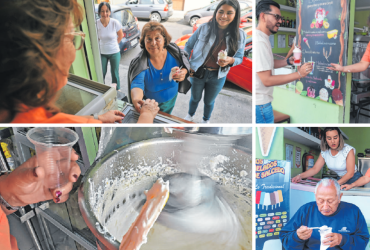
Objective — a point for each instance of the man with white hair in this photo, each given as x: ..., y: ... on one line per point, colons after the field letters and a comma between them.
x: 349, y: 229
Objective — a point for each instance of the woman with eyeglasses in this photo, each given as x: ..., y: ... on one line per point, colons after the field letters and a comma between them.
x: 38, y: 46
x: 208, y: 71
x: 110, y: 35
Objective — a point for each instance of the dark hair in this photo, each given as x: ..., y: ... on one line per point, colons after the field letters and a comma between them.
x: 152, y: 26
x: 232, y: 29
x: 32, y: 34
x: 265, y: 6
x: 324, y: 145
x: 101, y: 5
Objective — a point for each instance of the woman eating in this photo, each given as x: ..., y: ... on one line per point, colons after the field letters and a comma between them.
x: 36, y: 54
x: 110, y: 35
x: 150, y: 72
x: 209, y: 67
x: 337, y: 155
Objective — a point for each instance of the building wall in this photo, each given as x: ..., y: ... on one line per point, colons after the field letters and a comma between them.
x: 195, y: 4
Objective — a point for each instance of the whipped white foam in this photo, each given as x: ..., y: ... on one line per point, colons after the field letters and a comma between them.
x: 116, y: 204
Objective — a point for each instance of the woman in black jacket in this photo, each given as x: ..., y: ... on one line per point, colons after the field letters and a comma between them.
x: 150, y: 74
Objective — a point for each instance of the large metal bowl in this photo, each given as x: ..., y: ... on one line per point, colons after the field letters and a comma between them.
x: 149, y: 153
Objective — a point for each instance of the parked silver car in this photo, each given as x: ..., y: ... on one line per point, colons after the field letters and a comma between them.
x: 192, y: 16
x: 155, y: 10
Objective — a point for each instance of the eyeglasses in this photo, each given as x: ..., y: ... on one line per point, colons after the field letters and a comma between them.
x: 277, y: 17
x: 78, y: 39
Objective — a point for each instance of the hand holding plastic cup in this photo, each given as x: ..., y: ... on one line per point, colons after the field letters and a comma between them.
x: 324, y: 230
x: 53, y: 151
x: 297, y: 54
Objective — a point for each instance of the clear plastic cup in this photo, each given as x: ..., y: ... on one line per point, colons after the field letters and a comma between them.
x: 53, y: 151
x: 297, y: 54
x: 323, y: 233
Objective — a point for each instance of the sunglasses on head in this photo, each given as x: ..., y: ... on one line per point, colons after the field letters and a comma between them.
x: 277, y: 17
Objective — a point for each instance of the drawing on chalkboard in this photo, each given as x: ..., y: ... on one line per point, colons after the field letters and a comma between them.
x: 322, y: 34
x: 326, y: 54
x: 305, y: 40
x: 324, y: 95
x: 333, y: 34
x: 329, y: 83
x: 311, y: 92
x: 320, y: 19
x: 298, y: 87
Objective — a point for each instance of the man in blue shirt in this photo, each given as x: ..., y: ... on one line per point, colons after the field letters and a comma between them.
x: 349, y: 229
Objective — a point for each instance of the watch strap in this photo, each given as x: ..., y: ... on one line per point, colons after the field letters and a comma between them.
x: 7, y: 205
x: 287, y: 61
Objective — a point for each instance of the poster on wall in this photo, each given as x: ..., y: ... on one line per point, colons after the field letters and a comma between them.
x: 297, y: 157
x: 322, y: 35
x: 272, y: 201
x: 289, y: 153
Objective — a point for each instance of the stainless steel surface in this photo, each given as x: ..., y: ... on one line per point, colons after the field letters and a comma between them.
x: 358, y: 95
x: 357, y: 192
x: 363, y: 39
x: 31, y: 231
x: 154, y: 151
x: 74, y: 236
x: 131, y: 116
x: 363, y: 166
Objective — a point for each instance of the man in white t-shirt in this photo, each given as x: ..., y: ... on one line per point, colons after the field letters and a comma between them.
x: 269, y: 20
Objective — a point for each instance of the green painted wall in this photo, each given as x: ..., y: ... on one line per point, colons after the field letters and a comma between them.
x: 304, y: 149
x: 276, y: 150
x: 84, y: 57
x: 304, y: 109
x: 285, y: 50
x: 91, y: 142
x: 361, y: 18
x: 359, y: 138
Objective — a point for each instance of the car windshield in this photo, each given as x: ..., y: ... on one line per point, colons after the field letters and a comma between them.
x: 122, y: 16
x: 168, y: 1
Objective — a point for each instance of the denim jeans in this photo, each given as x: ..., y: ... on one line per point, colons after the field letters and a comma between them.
x: 264, y: 113
x: 354, y: 178
x: 114, y: 67
x: 211, y: 86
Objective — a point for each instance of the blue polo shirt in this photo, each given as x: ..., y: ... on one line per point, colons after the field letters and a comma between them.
x: 347, y: 221
x: 156, y: 83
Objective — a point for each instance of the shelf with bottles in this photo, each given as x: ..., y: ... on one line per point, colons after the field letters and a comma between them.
x: 293, y: 30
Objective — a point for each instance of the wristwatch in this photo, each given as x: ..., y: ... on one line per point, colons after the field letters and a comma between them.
x: 287, y: 61
x: 7, y: 205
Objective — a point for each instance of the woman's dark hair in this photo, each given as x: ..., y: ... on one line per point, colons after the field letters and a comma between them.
x: 264, y: 6
x: 101, y: 5
x: 152, y: 26
x: 31, y: 35
x: 232, y: 30
x: 324, y: 145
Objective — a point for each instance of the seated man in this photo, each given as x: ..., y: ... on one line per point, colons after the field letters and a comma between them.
x: 349, y: 229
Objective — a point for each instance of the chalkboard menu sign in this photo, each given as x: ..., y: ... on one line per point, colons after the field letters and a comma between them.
x: 322, y: 34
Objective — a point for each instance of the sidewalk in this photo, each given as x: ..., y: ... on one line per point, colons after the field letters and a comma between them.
x: 230, y: 106
x: 177, y: 16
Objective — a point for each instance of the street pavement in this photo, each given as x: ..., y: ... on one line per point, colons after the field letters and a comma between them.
x: 233, y: 104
